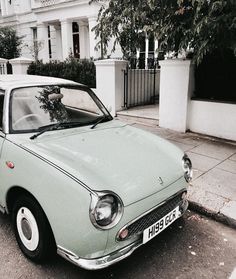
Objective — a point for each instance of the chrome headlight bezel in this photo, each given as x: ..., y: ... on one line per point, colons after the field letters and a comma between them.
x: 187, y: 167
x: 100, y: 197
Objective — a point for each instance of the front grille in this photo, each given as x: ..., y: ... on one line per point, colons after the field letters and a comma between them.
x: 152, y: 217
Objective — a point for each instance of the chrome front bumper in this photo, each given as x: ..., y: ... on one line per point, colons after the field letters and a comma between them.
x: 105, y: 261
x: 99, y: 263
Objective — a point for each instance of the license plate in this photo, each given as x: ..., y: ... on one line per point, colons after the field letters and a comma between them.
x: 160, y: 225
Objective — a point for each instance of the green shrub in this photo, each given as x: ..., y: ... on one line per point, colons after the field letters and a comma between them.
x: 81, y: 71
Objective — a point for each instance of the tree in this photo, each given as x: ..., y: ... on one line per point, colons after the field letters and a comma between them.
x: 10, y: 43
x: 201, y: 25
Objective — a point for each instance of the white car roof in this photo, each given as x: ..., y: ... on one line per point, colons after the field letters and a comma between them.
x: 9, y: 81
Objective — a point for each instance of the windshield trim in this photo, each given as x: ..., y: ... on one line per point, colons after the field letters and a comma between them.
x: 98, y: 102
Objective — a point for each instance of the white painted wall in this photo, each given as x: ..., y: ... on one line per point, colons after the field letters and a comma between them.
x: 214, y: 119
x: 20, y: 65
x: 176, y: 87
x: 110, y: 83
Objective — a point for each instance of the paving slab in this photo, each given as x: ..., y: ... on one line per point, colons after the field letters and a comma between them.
x: 150, y: 111
x: 233, y: 157
x: 164, y: 133
x: 197, y: 173
x: 228, y: 165
x: 212, y: 203
x: 219, y: 182
x: 188, y: 139
x: 182, y: 146
x: 216, y: 150
x: 201, y: 162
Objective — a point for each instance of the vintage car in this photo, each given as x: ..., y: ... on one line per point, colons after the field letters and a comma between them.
x: 78, y: 182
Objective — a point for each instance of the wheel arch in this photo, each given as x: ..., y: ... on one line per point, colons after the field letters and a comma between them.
x: 17, y: 191
x: 12, y: 195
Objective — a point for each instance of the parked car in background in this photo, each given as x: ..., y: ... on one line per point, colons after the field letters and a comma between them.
x: 78, y: 182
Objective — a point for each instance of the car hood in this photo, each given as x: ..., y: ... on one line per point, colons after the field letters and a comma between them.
x: 114, y: 156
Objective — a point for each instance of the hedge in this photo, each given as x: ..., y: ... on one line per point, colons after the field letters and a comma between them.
x: 81, y: 71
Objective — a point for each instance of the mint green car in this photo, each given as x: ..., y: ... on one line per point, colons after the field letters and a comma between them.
x: 78, y: 182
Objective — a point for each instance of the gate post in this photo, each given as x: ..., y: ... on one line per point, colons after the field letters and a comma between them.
x: 176, y: 89
x: 110, y: 83
x: 20, y: 65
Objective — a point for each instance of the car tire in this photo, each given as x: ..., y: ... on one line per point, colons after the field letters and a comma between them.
x: 32, y: 230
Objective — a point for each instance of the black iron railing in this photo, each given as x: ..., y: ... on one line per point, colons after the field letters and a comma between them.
x: 141, y: 82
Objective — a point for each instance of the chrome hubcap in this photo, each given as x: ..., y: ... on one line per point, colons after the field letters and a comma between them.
x: 26, y: 229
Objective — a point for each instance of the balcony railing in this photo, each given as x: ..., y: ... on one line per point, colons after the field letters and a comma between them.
x: 46, y: 3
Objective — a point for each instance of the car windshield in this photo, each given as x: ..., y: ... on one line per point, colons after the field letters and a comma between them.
x: 34, y: 108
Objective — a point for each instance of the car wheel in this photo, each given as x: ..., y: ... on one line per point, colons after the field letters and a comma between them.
x: 32, y: 230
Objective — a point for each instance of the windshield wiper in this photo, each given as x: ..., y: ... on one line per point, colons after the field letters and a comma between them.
x: 55, y: 126
x: 100, y: 119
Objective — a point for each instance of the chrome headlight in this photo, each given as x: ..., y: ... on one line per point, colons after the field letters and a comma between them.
x: 106, y: 210
x: 187, y: 167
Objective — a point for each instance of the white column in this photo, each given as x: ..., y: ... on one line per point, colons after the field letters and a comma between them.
x: 83, y: 40
x: 176, y: 89
x: 58, y: 42
x: 3, y: 7
x: 110, y: 83
x: 67, y: 39
x: 156, y: 49
x: 42, y: 33
x: 20, y: 65
x: 9, y: 8
x: 92, y: 41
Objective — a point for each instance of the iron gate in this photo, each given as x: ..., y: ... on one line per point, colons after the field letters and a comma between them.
x: 141, y: 86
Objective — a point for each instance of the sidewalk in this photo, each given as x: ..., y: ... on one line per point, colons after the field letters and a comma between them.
x: 213, y: 188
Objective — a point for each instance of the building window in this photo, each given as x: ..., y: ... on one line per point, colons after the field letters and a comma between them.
x: 146, y: 52
x: 151, y: 46
x: 49, y: 43
x: 75, y: 34
x: 35, y: 34
x: 35, y: 48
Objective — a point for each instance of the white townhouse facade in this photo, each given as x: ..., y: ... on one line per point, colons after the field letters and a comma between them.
x: 53, y: 29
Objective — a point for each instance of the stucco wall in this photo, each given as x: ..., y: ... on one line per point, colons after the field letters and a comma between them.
x: 214, y: 119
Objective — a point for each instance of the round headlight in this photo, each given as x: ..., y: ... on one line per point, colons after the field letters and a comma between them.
x: 187, y: 167
x: 106, y: 210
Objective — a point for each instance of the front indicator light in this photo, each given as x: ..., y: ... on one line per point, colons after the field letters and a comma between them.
x: 187, y: 167
x: 123, y: 234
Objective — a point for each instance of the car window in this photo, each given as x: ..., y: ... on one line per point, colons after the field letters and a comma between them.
x: 35, y: 107
x: 1, y: 109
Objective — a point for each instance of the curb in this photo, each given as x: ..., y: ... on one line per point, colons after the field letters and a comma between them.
x: 219, y: 217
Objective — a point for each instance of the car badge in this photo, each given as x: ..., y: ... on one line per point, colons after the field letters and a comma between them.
x: 160, y: 180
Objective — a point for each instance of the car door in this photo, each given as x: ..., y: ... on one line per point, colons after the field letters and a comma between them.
x: 2, y: 136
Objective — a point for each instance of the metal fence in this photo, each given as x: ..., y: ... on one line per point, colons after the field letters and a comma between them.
x: 141, y: 83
